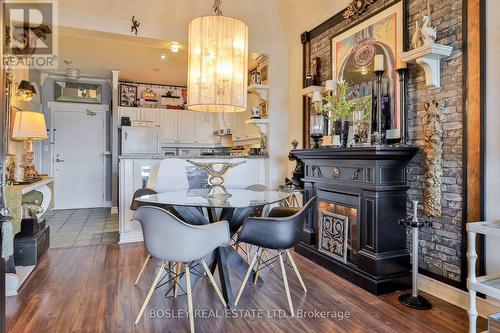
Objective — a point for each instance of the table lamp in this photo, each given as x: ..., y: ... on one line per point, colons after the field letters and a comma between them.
x: 29, y: 126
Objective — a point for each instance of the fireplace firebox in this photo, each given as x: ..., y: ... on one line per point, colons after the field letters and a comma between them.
x: 354, y: 230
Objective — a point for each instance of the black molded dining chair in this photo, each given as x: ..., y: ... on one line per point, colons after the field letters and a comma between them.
x: 280, y: 231
x: 236, y: 218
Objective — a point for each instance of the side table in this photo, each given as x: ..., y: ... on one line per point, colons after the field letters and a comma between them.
x: 488, y: 285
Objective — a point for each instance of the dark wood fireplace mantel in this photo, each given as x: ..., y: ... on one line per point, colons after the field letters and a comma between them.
x: 363, y: 191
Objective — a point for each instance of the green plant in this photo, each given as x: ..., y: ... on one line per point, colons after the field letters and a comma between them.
x: 338, y: 106
x: 364, y: 104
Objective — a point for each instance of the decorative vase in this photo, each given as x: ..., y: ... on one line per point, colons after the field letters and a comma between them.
x: 344, y: 133
x: 216, y: 171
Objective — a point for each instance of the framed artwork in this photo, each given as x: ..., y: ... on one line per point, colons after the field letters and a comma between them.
x: 77, y: 92
x: 128, y: 94
x: 353, y: 53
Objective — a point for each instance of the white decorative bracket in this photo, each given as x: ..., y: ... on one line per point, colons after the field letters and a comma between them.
x: 262, y: 124
x: 260, y: 89
x: 429, y: 57
x: 308, y: 91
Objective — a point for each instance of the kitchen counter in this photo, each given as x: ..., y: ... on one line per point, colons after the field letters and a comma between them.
x: 160, y: 157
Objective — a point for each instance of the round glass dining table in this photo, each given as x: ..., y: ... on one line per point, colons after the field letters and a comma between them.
x: 244, y: 201
x: 200, y: 198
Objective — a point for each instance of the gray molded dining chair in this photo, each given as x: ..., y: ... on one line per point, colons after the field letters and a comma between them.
x: 168, y: 239
x: 189, y: 215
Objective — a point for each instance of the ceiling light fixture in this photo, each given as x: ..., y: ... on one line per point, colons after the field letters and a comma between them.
x: 163, y: 57
x: 73, y: 73
x: 218, y: 63
x: 174, y: 47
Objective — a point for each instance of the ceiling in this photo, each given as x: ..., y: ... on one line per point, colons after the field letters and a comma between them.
x: 84, y: 41
x: 95, y: 54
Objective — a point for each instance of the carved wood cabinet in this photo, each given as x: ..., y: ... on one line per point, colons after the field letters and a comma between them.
x: 354, y: 230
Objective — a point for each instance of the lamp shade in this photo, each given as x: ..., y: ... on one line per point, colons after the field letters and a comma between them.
x: 29, y: 125
x: 218, y: 64
x: 330, y: 85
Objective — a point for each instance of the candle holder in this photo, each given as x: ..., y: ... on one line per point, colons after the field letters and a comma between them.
x: 379, y: 136
x: 317, y: 128
x: 414, y: 300
x: 403, y: 74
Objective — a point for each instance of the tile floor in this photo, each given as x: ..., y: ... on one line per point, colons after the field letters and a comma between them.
x: 82, y: 227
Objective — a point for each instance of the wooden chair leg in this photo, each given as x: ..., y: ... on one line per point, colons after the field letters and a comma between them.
x: 296, y: 270
x: 150, y: 293
x: 190, y: 299
x: 178, y: 270
x: 142, y: 269
x: 247, y: 275
x: 257, y: 272
x: 287, y: 289
x: 248, y: 247
x: 212, y: 280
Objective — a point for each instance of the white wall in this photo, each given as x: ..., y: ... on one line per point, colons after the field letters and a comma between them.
x: 297, y: 16
x: 492, y: 124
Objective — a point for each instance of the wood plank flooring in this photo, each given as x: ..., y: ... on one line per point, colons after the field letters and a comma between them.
x: 90, y: 289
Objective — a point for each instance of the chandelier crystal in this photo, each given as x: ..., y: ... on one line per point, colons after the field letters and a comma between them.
x: 218, y: 63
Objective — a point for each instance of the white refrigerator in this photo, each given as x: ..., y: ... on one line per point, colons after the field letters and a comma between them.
x: 140, y: 140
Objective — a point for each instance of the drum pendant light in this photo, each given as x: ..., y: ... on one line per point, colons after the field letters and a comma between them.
x: 218, y: 63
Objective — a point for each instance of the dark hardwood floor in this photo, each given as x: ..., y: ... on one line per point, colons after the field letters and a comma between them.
x: 90, y: 289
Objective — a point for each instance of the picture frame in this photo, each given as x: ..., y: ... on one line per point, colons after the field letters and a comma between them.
x: 77, y: 92
x: 128, y: 94
x: 352, y: 59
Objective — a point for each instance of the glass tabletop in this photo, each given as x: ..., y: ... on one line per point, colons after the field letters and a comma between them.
x: 200, y: 198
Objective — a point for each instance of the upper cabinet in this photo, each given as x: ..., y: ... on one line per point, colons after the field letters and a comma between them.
x: 139, y: 114
x: 204, y: 128
x: 186, y: 127
x: 168, y: 124
x: 132, y: 113
x: 150, y: 114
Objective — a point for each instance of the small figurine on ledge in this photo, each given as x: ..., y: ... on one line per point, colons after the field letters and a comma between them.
x: 426, y: 35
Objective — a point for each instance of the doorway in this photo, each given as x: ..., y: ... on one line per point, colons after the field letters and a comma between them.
x: 78, y: 140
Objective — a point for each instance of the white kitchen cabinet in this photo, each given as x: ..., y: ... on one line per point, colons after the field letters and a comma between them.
x: 186, y: 127
x: 132, y: 113
x: 168, y: 124
x: 139, y: 114
x: 133, y: 175
x: 150, y: 114
x: 204, y: 133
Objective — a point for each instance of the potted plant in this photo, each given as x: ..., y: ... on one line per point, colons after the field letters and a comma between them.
x: 339, y: 109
